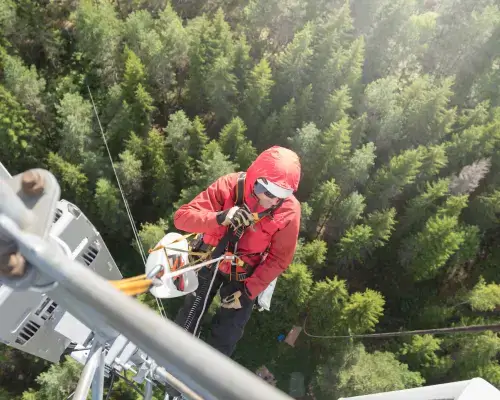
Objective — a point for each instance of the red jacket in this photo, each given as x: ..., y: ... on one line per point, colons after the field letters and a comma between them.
x: 280, y: 231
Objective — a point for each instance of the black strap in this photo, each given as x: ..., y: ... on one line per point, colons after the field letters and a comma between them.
x: 240, y: 190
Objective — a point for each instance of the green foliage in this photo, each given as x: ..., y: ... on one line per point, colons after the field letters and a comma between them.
x: 75, y: 118
x: 130, y: 174
x: 354, y: 242
x: 326, y: 304
x: 98, y: 33
x: 24, y: 83
x: 18, y: 132
x: 426, y: 252
x: 363, y: 311
x: 422, y: 353
x: 485, y: 297
x: 256, y: 96
x: 356, y: 372
x: 392, y: 107
x: 390, y: 180
x: 150, y: 234
x: 382, y: 224
x: 312, y: 254
x: 212, y: 165
x: 74, y: 183
x: 323, y: 202
x: 233, y: 143
x: 109, y: 205
x: 58, y: 382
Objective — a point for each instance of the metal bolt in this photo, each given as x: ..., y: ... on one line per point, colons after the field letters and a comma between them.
x: 32, y: 183
x: 15, y: 266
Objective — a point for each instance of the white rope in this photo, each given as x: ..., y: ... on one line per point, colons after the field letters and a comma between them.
x: 129, y: 213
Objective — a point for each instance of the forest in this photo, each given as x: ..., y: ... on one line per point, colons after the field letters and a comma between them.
x: 394, y: 109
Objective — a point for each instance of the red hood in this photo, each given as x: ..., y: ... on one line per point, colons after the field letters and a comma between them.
x: 278, y: 165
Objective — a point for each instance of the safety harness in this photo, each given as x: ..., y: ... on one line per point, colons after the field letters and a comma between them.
x: 239, y: 269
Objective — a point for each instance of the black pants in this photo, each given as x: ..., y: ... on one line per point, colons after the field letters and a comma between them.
x: 228, y: 325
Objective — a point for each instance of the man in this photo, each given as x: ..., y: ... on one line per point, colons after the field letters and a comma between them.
x: 266, y: 246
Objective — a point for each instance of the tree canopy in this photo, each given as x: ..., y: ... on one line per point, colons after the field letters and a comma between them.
x: 393, y: 108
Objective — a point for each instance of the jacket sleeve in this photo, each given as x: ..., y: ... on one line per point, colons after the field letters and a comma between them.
x: 280, y: 256
x: 199, y: 215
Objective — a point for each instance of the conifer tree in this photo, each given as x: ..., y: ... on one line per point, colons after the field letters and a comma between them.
x: 24, y: 83
x: 75, y: 119
x: 354, y: 372
x: 256, y: 97
x: 233, y: 143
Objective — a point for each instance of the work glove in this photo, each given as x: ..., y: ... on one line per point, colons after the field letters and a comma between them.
x: 232, y: 301
x: 236, y: 217
x: 235, y: 299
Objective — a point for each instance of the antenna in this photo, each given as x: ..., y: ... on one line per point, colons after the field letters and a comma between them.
x: 66, y: 261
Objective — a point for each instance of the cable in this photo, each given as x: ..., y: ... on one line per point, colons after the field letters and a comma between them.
x: 452, y: 330
x: 206, y: 297
x: 130, y: 383
x: 129, y: 213
x: 110, y: 388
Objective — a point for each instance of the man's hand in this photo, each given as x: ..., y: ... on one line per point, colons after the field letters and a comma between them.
x: 236, y: 217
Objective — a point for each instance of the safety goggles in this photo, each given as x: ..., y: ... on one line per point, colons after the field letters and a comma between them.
x: 272, y: 190
x: 259, y: 188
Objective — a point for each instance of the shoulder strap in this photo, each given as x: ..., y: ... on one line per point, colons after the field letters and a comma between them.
x: 240, y: 190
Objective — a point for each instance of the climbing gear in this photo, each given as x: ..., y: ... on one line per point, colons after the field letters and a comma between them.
x: 232, y: 301
x: 240, y: 270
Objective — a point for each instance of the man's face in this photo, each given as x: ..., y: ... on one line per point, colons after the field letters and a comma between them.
x: 266, y: 201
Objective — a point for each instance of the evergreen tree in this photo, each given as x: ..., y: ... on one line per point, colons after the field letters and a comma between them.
x: 212, y: 165
x: 323, y: 202
x: 336, y: 106
x: 75, y: 120
x: 312, y: 254
x: 151, y: 234
x: 243, y: 67
x: 161, y: 45
x: 233, y: 143
x: 470, y: 176
x: 356, y: 372
x: 305, y: 144
x: 109, y: 206
x: 24, y: 83
x: 354, y: 243
x: 129, y: 171
x: 293, y: 65
x: 422, y: 353
x: 18, y: 133
x: 382, y: 224
x: 344, y: 214
x: 71, y: 179
x: 326, y: 304
x: 390, y: 180
x: 58, y: 382
x: 426, y: 252
x: 221, y: 89
x: 256, y: 97
x: 363, y: 311
x: 98, y: 34
x: 356, y: 170
x: 158, y: 172
x: 334, y: 145
x: 484, y: 297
